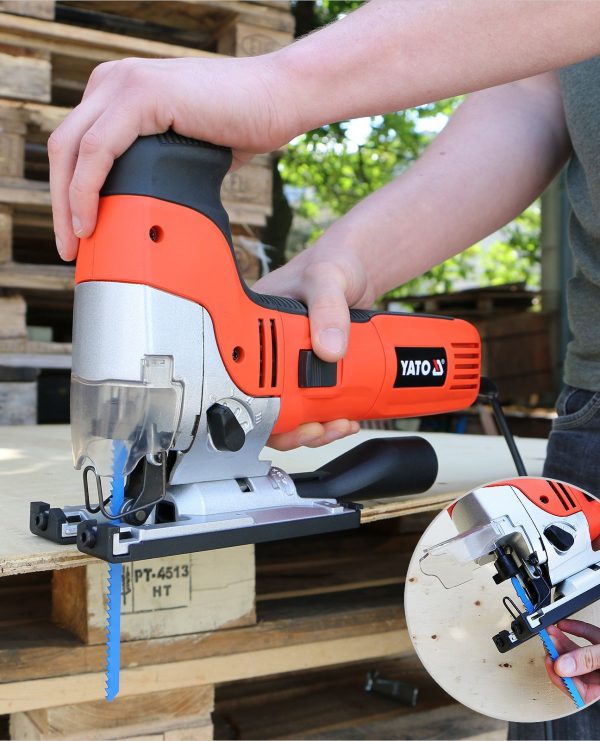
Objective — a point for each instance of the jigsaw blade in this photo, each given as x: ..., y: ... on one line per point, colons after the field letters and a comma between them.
x: 548, y: 645
x: 113, y: 604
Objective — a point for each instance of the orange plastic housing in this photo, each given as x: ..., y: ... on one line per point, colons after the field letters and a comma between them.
x: 558, y: 499
x: 191, y: 258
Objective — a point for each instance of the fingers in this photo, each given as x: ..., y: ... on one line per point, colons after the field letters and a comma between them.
x: 83, y: 148
x: 322, y: 285
x: 581, y: 629
x: 579, y: 661
x: 63, y: 149
x: 562, y: 643
x: 111, y: 134
x: 328, y: 311
x: 313, y: 434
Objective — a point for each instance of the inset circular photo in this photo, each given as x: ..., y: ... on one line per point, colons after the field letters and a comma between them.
x: 487, y: 584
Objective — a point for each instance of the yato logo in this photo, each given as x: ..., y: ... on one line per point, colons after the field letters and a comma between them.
x: 420, y: 366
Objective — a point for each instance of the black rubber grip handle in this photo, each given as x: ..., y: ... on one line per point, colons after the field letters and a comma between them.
x: 190, y: 172
x: 381, y: 467
x: 177, y: 169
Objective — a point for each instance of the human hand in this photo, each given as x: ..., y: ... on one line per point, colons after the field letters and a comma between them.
x: 234, y: 102
x: 582, y: 663
x: 328, y: 281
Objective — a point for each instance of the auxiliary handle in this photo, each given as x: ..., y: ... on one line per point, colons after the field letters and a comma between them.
x: 381, y: 467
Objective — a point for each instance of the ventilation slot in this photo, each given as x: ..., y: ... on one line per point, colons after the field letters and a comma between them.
x: 567, y: 494
x: 273, y: 327
x: 563, y: 497
x: 267, y: 343
x: 261, y: 359
x: 466, y: 361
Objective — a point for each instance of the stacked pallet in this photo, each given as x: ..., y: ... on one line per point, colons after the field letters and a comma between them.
x: 193, y: 623
x: 47, y: 52
x: 320, y: 601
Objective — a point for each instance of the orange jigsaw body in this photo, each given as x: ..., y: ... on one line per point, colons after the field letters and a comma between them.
x: 560, y: 500
x: 190, y: 257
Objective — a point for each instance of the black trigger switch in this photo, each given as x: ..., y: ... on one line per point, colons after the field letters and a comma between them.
x: 314, y: 372
x: 225, y: 431
x: 560, y: 539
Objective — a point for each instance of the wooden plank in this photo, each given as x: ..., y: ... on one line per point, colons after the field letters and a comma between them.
x: 38, y: 277
x: 449, y: 722
x: 276, y: 707
x: 246, y: 40
x: 267, y: 15
x: 44, y: 116
x: 18, y: 403
x: 23, y: 727
x: 34, y: 347
x: 239, y: 190
x: 154, y: 713
x: 25, y: 192
x: 85, y: 43
x: 23, y: 76
x: 13, y: 311
x: 375, y: 556
x: 465, y: 461
x: 51, y: 692
x: 6, y: 234
x: 33, y: 648
x: 12, y: 142
x: 163, y: 597
x: 35, y: 8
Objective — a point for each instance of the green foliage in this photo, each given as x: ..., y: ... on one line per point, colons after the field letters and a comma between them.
x: 517, y: 257
x: 333, y: 171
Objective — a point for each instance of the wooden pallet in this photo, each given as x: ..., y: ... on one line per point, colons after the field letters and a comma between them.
x: 320, y: 602
x: 47, y: 60
x: 47, y: 51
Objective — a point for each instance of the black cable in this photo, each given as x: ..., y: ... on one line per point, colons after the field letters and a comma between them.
x: 488, y: 392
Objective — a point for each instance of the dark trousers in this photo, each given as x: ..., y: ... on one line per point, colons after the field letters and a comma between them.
x: 573, y: 456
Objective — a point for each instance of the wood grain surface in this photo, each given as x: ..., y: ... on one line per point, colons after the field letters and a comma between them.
x: 36, y: 465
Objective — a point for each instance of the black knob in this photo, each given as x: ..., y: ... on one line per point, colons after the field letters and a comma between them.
x: 560, y: 539
x: 226, y: 432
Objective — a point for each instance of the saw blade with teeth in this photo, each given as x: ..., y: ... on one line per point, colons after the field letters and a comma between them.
x: 548, y: 644
x: 113, y: 601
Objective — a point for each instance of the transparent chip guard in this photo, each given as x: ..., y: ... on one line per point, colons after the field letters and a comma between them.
x: 143, y: 415
x: 454, y: 561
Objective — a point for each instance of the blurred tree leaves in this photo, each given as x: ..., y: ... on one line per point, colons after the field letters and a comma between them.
x: 332, y: 169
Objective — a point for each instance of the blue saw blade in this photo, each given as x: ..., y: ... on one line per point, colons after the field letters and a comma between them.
x: 548, y: 645
x: 113, y: 603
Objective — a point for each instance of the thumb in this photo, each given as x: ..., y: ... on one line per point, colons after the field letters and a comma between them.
x: 328, y: 311
x: 578, y: 662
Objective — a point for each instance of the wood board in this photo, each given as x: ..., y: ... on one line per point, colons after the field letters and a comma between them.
x: 36, y: 465
x: 145, y: 715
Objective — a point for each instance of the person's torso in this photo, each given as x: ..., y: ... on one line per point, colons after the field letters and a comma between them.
x: 580, y: 86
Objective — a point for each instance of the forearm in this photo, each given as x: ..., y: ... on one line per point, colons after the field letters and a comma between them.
x: 394, y: 54
x: 495, y: 156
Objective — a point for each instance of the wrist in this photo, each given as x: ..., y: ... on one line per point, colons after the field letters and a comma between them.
x: 283, y: 93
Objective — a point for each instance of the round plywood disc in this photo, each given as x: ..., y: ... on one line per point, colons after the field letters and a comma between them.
x: 452, y: 629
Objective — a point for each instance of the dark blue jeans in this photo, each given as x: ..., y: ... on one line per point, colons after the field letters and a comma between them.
x: 573, y: 456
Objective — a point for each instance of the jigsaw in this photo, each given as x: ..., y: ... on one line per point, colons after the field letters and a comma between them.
x: 190, y: 372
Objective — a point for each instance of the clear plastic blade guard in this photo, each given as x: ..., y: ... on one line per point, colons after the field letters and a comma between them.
x: 453, y: 561
x: 143, y: 416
